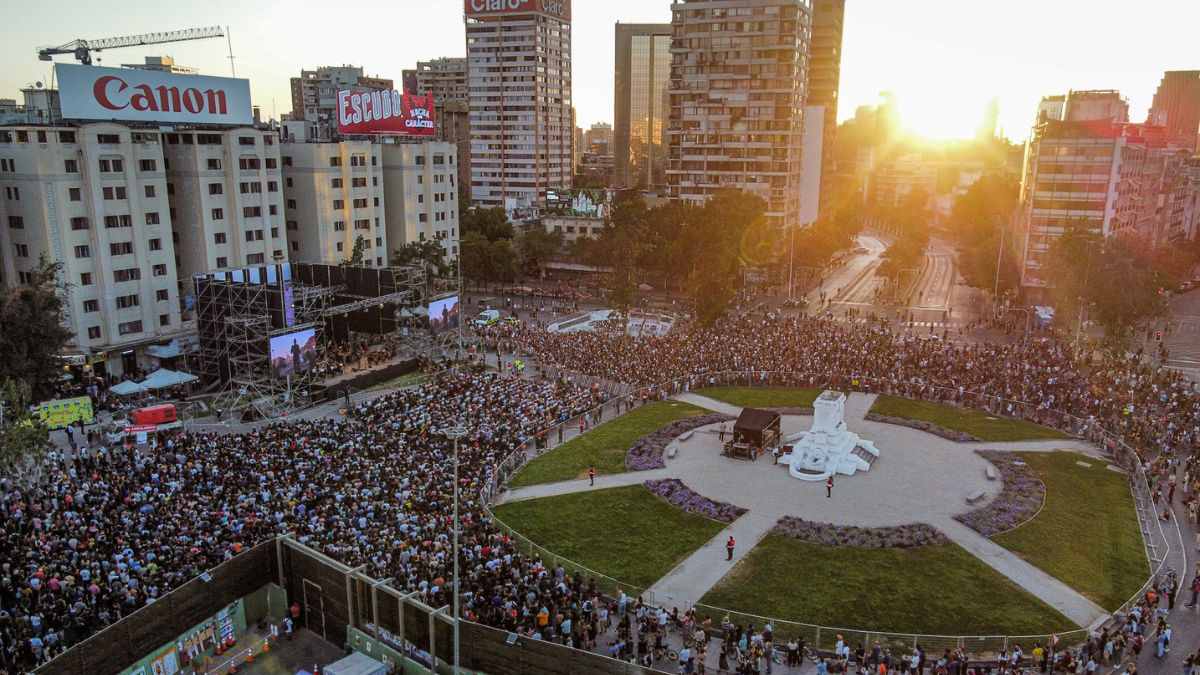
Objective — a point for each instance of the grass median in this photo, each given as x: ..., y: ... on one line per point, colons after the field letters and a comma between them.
x: 982, y: 425
x: 626, y: 533
x: 604, y: 446
x: 1087, y: 534
x: 938, y: 590
x: 763, y: 397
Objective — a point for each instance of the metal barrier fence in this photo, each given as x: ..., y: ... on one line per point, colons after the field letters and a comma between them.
x: 1156, y: 541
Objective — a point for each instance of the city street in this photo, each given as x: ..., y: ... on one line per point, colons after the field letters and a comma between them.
x: 1183, y: 340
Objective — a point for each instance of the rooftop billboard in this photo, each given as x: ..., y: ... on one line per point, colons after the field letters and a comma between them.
x: 478, y: 8
x: 93, y: 93
x: 385, y: 112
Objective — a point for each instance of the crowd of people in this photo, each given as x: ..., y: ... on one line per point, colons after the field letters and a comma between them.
x: 106, y: 531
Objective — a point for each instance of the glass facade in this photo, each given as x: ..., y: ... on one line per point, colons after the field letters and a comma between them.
x: 650, y: 68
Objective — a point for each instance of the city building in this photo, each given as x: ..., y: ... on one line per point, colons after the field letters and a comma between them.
x: 445, y: 78
x: 824, y: 76
x: 574, y: 227
x: 737, y: 91
x: 314, y: 97
x: 454, y: 126
x: 162, y: 64
x: 225, y: 189
x: 94, y: 198
x: 1097, y: 104
x: 1176, y: 106
x: 420, y: 182
x: 333, y: 196
x: 890, y: 182
x: 641, y: 107
x: 577, y: 151
x: 598, y: 138
x: 519, y: 82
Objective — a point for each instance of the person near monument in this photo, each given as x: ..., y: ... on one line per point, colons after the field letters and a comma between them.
x: 729, y: 548
x: 591, y: 475
x: 829, y: 487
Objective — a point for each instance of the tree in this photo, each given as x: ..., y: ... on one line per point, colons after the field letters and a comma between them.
x: 429, y: 252
x: 491, y: 223
x: 488, y: 261
x: 356, y: 255
x: 23, y: 437
x: 33, y: 334
x: 537, y: 246
x: 976, y: 223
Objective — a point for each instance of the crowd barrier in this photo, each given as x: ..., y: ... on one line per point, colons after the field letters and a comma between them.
x: 1157, y: 543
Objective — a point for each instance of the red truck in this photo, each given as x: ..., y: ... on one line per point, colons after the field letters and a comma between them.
x: 153, y: 415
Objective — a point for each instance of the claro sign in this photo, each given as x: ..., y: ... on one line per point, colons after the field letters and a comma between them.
x: 559, y: 8
x: 385, y: 112
x: 91, y: 93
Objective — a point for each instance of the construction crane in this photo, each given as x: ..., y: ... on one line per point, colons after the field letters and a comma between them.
x: 82, y: 49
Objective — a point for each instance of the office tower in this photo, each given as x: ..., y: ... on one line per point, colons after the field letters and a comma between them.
x: 643, y: 66
x: 1177, y: 106
x: 824, y: 76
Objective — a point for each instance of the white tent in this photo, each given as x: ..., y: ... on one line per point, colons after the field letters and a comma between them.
x: 127, y: 388
x: 163, y: 378
x: 357, y: 663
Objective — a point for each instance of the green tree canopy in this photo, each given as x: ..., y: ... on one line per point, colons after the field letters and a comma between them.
x: 33, y: 334
x: 491, y: 223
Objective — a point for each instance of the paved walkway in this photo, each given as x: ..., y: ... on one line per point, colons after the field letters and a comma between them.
x: 683, y: 586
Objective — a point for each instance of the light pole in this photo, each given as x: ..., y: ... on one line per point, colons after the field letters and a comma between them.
x: 454, y: 433
x: 996, y: 284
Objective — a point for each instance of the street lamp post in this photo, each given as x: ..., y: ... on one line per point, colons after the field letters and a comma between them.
x: 454, y: 433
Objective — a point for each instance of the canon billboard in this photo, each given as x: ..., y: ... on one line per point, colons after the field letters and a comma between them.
x: 92, y: 93
x: 385, y: 112
x: 558, y: 8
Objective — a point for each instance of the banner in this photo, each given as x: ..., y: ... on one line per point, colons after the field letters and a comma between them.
x: 61, y: 412
x: 558, y: 8
x: 93, y: 93
x: 385, y: 112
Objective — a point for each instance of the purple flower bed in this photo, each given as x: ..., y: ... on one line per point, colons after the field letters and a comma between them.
x: 1019, y: 500
x: 928, y: 427
x: 793, y: 410
x: 647, y: 452
x: 826, y: 534
x: 674, y: 491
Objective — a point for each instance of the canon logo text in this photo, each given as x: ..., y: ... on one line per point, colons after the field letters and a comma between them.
x: 114, y: 93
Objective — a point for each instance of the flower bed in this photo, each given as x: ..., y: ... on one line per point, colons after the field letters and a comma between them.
x: 929, y: 427
x: 826, y: 534
x: 793, y: 410
x: 1019, y: 500
x: 674, y: 491
x: 647, y: 452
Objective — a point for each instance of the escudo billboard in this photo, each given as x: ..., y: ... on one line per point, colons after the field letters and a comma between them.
x: 385, y: 112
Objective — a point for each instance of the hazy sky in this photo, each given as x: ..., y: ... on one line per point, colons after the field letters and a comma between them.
x: 944, y: 59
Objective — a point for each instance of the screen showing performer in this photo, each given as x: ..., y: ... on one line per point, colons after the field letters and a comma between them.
x: 295, y: 352
x: 443, y: 314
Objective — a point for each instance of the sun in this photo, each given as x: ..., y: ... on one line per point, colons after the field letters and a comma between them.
x: 940, y: 117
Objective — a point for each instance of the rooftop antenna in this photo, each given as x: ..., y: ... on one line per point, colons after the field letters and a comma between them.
x: 229, y: 41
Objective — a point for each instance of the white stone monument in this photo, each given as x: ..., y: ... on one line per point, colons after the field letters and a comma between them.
x: 828, y: 447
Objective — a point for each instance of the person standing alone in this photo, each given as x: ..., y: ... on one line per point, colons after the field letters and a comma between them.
x: 591, y: 475
x: 829, y: 487
x: 729, y: 548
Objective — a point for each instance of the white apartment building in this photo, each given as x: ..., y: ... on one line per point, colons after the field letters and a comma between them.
x: 225, y: 188
x: 519, y: 82
x: 736, y: 92
x: 333, y: 195
x: 94, y: 197
x: 420, y: 185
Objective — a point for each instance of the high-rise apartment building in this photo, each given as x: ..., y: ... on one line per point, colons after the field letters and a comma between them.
x: 333, y: 196
x: 519, y: 82
x: 225, y: 189
x: 314, y: 96
x: 421, y: 186
x: 95, y: 199
x: 643, y: 67
x: 445, y: 78
x: 1177, y: 106
x: 824, y: 76
x: 736, y: 91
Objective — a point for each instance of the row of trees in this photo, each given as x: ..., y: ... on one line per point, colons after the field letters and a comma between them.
x: 493, y: 252
x: 908, y: 221
x: 978, y: 221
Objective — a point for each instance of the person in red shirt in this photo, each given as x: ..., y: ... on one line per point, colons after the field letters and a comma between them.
x: 829, y: 486
x: 729, y: 548
x: 591, y: 475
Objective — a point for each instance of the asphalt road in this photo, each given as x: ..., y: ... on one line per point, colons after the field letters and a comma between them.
x: 1183, y: 340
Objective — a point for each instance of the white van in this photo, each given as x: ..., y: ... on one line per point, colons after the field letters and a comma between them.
x: 487, y: 317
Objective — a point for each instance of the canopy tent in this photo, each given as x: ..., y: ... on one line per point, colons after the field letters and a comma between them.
x: 357, y: 663
x: 127, y: 388
x: 759, y: 428
x: 167, y: 351
x: 163, y: 378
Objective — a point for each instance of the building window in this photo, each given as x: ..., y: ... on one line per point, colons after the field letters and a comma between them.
x: 108, y: 139
x: 117, y: 192
x: 274, y: 232
x: 13, y: 193
x: 111, y: 222
x: 360, y: 181
x: 338, y: 204
x: 218, y: 214
x: 147, y: 165
x: 293, y: 225
x: 271, y: 163
x: 251, y: 211
x: 160, y: 270
x: 335, y: 161
x: 291, y: 203
x: 150, y: 192
x: 245, y: 140
x: 16, y: 222
x: 71, y: 166
x: 295, y: 245
x: 248, y: 163
x: 255, y: 259
x: 360, y: 203
x: 219, y: 238
x: 152, y: 218
x: 74, y: 194
x: 339, y: 246
x: 156, y: 244
x: 420, y: 160
x: 120, y: 248
x: 127, y: 301
x: 273, y: 210
x: 90, y: 306
x: 335, y: 183
x: 162, y: 295
x: 339, y: 226
x: 222, y: 261
x: 129, y: 327
x: 66, y: 137
x: 379, y: 241
x: 287, y: 182
x: 22, y: 250
x: 93, y: 332
x: 164, y: 319
x: 287, y: 161
x: 130, y: 274
x: 83, y: 251
x: 214, y: 165
x: 112, y: 166
x: 272, y: 186
x: 85, y: 278
x: 216, y: 189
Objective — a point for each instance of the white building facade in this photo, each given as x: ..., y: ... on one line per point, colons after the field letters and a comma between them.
x: 421, y: 190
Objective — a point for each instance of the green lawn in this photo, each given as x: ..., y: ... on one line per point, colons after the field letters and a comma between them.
x: 1087, y: 534
x: 626, y: 533
x: 975, y: 422
x: 762, y: 397
x: 603, y: 446
x: 940, y: 590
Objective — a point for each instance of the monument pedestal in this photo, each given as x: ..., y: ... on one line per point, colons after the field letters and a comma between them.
x: 828, y: 448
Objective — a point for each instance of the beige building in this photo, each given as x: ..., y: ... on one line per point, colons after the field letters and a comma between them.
x: 445, y: 78
x: 94, y: 198
x: 333, y: 195
x: 420, y: 182
x: 226, y: 196
x: 736, y: 91
x: 574, y: 227
x: 519, y: 82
